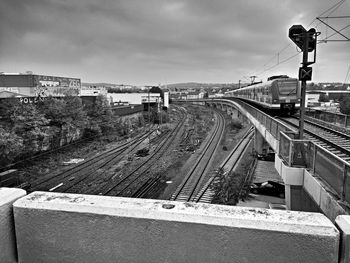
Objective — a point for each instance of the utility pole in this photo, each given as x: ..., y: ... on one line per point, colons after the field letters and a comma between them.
x: 306, y: 41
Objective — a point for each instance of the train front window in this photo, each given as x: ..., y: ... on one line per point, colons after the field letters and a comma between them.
x: 287, y: 87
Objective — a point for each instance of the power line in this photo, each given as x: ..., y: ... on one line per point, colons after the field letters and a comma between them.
x: 337, y: 31
x: 336, y: 6
x: 326, y: 39
x: 281, y: 62
x: 330, y: 11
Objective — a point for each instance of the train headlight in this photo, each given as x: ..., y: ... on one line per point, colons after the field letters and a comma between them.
x: 275, y: 100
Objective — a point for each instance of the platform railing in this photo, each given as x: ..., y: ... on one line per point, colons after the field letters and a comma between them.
x: 271, y: 124
x: 333, y: 170
x: 339, y: 119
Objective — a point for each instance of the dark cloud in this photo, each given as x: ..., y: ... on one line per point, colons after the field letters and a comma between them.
x: 153, y: 41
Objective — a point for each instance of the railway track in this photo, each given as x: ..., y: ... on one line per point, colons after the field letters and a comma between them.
x: 229, y: 164
x: 63, y: 181
x: 330, y: 139
x: 197, y: 176
x: 138, y: 181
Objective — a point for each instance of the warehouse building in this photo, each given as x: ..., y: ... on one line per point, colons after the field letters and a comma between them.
x: 37, y: 86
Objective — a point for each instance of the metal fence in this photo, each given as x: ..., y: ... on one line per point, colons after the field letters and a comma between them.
x: 302, y: 153
x: 338, y: 119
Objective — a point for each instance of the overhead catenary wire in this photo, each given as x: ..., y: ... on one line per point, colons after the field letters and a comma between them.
x: 281, y: 62
x: 327, y: 17
x: 334, y: 7
x: 326, y: 39
x: 277, y: 55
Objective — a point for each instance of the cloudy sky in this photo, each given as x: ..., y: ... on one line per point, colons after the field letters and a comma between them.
x: 147, y: 42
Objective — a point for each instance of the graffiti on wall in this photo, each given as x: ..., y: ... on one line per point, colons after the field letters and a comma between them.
x: 56, y: 86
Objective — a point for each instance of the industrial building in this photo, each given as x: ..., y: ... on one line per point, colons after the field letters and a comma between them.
x: 37, y: 86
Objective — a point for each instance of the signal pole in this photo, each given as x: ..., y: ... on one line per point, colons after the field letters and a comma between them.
x: 306, y: 41
x: 303, y: 90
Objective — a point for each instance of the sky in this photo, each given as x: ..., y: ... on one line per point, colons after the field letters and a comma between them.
x: 151, y: 42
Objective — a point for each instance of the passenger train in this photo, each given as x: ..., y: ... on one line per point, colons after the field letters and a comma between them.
x: 280, y: 94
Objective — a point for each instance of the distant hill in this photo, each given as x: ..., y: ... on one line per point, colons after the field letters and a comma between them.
x: 97, y: 84
x: 195, y: 85
x: 103, y: 84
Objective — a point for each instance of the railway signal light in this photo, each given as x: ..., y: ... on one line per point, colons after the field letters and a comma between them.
x: 299, y: 35
x: 312, y: 39
x: 296, y: 34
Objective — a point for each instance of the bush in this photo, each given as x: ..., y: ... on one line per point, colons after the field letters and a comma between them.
x: 345, y: 105
x: 235, y: 125
x: 10, y: 146
x: 92, y: 132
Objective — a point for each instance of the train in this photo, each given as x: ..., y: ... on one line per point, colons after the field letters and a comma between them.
x: 279, y: 95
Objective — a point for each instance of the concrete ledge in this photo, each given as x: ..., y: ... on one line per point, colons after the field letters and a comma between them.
x: 272, y: 141
x: 330, y: 206
x: 325, y: 200
x: 290, y: 175
x: 343, y: 223
x: 8, y: 252
x: 53, y: 227
x: 312, y: 186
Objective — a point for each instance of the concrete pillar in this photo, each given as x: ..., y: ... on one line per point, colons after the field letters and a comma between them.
x: 343, y: 224
x: 8, y: 252
x: 297, y: 199
x: 293, y: 179
x: 54, y: 227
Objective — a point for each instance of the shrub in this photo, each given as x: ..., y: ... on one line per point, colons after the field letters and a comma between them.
x: 235, y: 124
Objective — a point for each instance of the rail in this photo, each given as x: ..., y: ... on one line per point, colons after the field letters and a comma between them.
x: 329, y: 167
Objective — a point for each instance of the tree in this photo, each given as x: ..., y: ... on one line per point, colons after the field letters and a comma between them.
x: 345, y: 105
x: 6, y: 105
x: 75, y: 110
x: 54, y: 110
x: 226, y: 188
x: 67, y: 111
x: 100, y: 115
x: 323, y: 98
x: 30, y: 124
x: 11, y: 146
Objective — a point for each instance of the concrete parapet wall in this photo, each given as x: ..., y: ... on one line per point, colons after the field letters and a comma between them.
x: 53, y: 227
x: 343, y: 223
x: 8, y: 251
x: 323, y: 198
x: 290, y: 175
